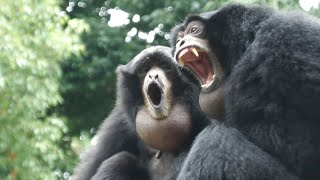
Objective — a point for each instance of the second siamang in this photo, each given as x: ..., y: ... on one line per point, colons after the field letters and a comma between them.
x: 259, y: 72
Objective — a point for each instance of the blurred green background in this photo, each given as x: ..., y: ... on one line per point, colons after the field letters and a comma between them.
x: 57, y: 71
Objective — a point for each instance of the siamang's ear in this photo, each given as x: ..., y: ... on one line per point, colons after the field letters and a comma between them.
x: 123, y: 69
x: 132, y: 67
x: 120, y: 69
x: 128, y: 69
x: 135, y: 64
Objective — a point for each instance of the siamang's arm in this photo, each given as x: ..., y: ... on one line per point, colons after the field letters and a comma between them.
x: 115, y: 135
x: 220, y: 152
x: 122, y: 166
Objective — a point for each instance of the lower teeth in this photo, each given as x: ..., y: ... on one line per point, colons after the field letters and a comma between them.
x: 208, y: 84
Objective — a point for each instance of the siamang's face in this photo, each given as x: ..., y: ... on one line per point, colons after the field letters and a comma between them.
x: 193, y: 50
x: 157, y: 92
x: 163, y: 122
x: 165, y: 96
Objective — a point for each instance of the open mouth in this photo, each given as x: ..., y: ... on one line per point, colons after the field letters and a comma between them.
x: 154, y: 93
x: 198, y: 61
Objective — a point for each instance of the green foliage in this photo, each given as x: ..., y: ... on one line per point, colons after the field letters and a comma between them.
x: 36, y: 36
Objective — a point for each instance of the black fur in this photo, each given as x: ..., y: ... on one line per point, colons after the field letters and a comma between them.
x: 224, y: 153
x: 272, y: 65
x: 122, y: 166
x: 119, y: 153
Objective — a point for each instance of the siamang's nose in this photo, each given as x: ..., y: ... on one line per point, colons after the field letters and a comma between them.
x: 153, y: 76
x: 180, y: 43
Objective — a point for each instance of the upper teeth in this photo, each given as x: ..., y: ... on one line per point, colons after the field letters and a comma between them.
x: 184, y: 51
x: 195, y: 52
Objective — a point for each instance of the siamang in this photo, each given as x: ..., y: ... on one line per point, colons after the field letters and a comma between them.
x: 259, y: 72
x: 149, y: 133
x: 154, y: 122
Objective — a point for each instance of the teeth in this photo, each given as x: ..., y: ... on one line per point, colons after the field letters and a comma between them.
x: 195, y: 52
x: 181, y: 62
x: 183, y: 52
x: 205, y: 86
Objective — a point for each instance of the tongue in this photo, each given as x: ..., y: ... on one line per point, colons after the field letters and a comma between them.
x: 189, y: 57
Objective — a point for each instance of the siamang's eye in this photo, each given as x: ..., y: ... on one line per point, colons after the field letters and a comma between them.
x: 194, y: 30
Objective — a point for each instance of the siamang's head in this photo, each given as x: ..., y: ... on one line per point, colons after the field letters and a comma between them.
x: 168, y: 114
x: 211, y: 44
